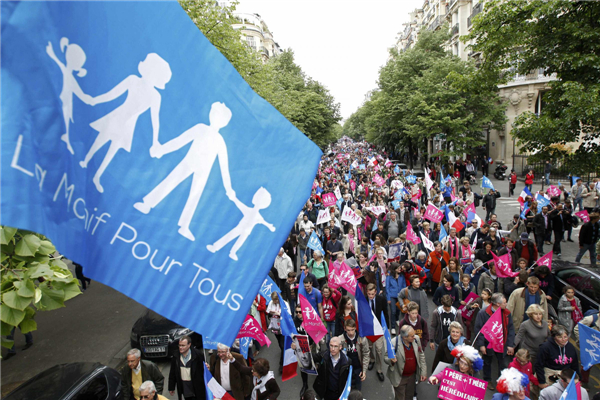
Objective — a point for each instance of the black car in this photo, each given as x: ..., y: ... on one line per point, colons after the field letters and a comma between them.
x: 585, y: 280
x: 73, y: 381
x: 157, y: 336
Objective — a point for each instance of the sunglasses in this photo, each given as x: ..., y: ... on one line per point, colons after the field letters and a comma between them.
x: 298, y: 312
x: 145, y: 396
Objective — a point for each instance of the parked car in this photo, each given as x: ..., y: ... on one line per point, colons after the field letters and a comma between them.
x: 585, y: 280
x: 419, y: 173
x: 73, y: 381
x: 157, y: 336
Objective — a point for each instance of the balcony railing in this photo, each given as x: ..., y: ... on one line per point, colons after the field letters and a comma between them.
x: 454, y: 30
x: 452, y: 3
x: 477, y: 9
x: 436, y: 23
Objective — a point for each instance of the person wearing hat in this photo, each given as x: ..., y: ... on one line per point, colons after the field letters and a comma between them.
x: 466, y: 361
x: 526, y: 249
x: 512, y: 385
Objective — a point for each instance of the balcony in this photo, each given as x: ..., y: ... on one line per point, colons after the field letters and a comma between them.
x: 477, y: 9
x: 436, y: 23
x: 454, y: 30
x: 452, y: 4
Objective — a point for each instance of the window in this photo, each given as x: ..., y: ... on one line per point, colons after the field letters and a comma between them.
x: 95, y: 389
x: 250, y: 41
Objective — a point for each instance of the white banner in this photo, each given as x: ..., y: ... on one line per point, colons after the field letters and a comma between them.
x: 396, y: 184
x: 350, y: 216
x: 427, y: 243
x: 324, y: 217
x: 337, y: 193
x: 377, y: 210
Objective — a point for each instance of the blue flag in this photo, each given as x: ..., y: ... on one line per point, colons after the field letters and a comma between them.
x: 362, y: 166
x: 411, y: 179
x: 90, y: 75
x: 267, y: 288
x: 396, y: 204
x: 348, y: 387
x: 570, y: 392
x: 388, y: 337
x: 542, y: 202
x: 396, y: 169
x: 524, y: 213
x: 315, y: 243
x: 287, y: 323
x: 209, y: 344
x: 589, y: 340
x: 443, y: 232
x: 486, y: 183
x: 348, y: 176
x: 339, y: 203
x: 244, y: 346
x: 398, y: 195
x: 318, y: 190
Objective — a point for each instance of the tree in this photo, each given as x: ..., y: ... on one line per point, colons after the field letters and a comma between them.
x: 559, y: 37
x: 32, y: 279
x: 424, y: 92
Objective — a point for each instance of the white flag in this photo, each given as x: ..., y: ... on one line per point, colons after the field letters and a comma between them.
x: 324, y: 217
x: 427, y: 243
x: 350, y: 216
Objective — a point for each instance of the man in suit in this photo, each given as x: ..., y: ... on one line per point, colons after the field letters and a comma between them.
x: 541, y: 226
x: 378, y: 304
x: 187, y: 372
x: 137, y: 372
x: 229, y: 377
x: 558, y: 219
x: 408, y: 363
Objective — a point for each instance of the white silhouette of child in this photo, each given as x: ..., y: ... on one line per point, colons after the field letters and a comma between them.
x: 118, y: 126
x: 207, y: 146
x: 75, y: 58
x: 251, y: 218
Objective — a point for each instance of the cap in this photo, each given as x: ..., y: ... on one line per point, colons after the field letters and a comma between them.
x: 524, y: 236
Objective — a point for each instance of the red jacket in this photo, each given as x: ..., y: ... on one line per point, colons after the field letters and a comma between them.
x: 526, y: 370
x: 262, y: 310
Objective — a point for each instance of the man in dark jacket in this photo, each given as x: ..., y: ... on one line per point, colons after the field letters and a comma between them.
x: 187, y: 372
x: 333, y: 371
x: 489, y: 203
x: 378, y: 304
x: 497, y: 301
x: 541, y: 226
x: 588, y: 236
x: 526, y: 249
x: 137, y: 372
x: 558, y: 220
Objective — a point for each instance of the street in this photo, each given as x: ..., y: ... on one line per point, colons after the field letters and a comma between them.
x: 96, y: 326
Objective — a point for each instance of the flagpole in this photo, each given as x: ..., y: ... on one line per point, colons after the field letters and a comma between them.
x: 474, y: 340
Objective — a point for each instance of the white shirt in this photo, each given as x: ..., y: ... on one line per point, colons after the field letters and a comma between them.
x: 334, y: 361
x: 137, y: 369
x: 225, y: 375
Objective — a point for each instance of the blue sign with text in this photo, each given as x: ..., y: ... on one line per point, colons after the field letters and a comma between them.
x: 137, y: 148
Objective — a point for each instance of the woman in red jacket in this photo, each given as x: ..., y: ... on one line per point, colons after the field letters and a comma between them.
x: 529, y: 179
x: 331, y: 299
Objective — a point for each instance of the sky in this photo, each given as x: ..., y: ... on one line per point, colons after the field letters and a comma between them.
x: 340, y: 43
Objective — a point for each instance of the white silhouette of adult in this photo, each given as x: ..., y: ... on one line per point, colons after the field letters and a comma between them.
x: 118, y: 126
x: 207, y: 146
x: 75, y: 59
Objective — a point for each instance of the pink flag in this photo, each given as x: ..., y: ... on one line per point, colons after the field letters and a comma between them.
x: 433, y: 214
x: 366, y: 191
x: 503, y: 268
x: 311, y: 320
x: 545, y: 260
x: 416, y: 196
x: 352, y: 185
x: 464, y: 311
x: 470, y: 207
x: 251, y: 328
x: 492, y: 330
x: 388, y: 163
x: 585, y: 217
x: 347, y: 278
x: 333, y: 280
x: 377, y: 168
x: 329, y: 199
x: 378, y: 180
x: 411, y: 236
x: 554, y: 191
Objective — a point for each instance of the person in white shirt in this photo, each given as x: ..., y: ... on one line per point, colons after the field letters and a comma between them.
x: 226, y: 375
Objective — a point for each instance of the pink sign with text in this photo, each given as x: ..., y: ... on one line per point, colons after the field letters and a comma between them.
x: 329, y: 199
x: 585, y: 217
x: 457, y: 386
x: 464, y: 311
x: 433, y: 214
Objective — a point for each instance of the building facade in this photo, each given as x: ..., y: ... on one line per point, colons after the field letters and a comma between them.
x: 256, y: 34
x: 522, y: 93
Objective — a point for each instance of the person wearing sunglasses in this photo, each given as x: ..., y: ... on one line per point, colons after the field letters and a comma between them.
x: 148, y: 392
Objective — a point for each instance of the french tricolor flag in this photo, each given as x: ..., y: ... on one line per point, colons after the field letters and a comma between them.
x: 454, y: 222
x: 290, y: 361
x: 368, y: 324
x: 523, y: 195
x: 213, y: 389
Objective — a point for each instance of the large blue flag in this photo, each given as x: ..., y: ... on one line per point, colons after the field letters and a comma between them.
x: 287, y: 323
x: 173, y: 218
x: 267, y: 288
x: 388, y: 337
x: 589, y: 340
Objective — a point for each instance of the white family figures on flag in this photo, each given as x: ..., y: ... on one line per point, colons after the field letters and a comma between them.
x: 75, y: 59
x: 118, y: 126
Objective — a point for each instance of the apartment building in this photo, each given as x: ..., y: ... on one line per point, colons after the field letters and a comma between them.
x: 256, y: 34
x: 522, y: 93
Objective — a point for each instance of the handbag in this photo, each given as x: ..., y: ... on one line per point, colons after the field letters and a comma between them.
x: 275, y: 324
x: 405, y: 301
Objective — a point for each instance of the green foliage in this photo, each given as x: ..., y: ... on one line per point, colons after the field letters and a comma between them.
x: 32, y: 279
x: 305, y: 102
x: 560, y: 37
x: 426, y: 91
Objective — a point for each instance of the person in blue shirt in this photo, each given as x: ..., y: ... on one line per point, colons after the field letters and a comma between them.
x: 314, y: 297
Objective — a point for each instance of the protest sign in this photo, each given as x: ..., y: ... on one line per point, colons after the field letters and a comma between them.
x: 492, y: 330
x: 379, y: 181
x: 554, y: 191
x: 464, y: 310
x: 585, y: 217
x: 503, y: 267
x: 324, y: 217
x: 337, y: 192
x: 251, y: 328
x: 329, y: 199
x: 304, y: 356
x: 377, y: 210
x: 311, y: 320
x: 546, y: 260
x: 433, y: 214
x: 350, y: 216
x: 457, y: 386
x: 125, y: 207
